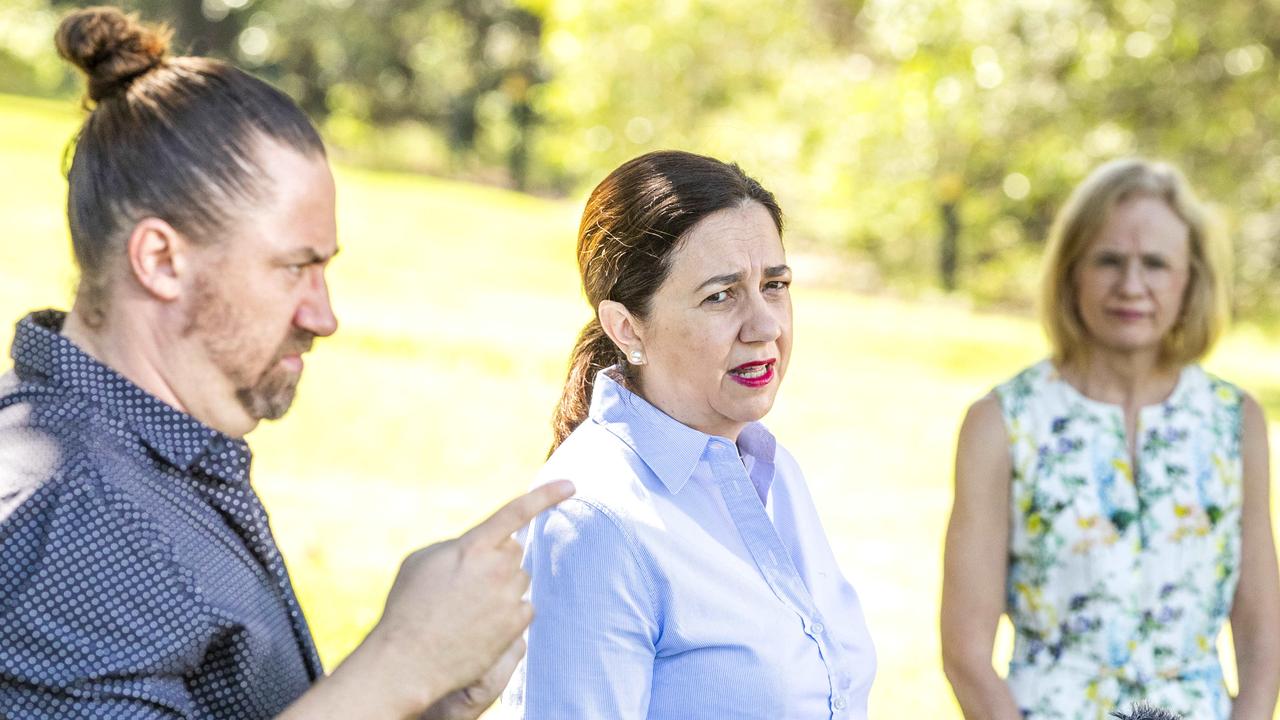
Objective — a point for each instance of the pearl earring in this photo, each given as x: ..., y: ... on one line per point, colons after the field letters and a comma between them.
x: 637, y: 357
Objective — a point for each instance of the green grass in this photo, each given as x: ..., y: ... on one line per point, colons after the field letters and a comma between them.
x: 430, y: 406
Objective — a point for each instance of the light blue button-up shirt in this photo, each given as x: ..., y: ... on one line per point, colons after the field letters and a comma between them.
x: 688, y: 578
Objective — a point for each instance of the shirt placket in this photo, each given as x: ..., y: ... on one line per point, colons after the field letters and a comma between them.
x: 241, y: 506
x: 774, y: 561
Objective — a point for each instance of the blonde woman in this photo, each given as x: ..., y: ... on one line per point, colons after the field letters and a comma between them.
x: 1113, y: 499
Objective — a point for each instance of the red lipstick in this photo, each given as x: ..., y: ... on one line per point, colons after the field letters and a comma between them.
x: 754, y: 374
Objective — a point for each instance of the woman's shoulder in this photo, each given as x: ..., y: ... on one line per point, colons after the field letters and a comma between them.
x: 1019, y: 393
x: 607, y: 473
x: 1028, y: 380
x: 1224, y: 408
x: 1215, y: 388
x: 611, y: 496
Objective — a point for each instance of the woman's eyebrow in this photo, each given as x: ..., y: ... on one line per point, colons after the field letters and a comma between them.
x: 729, y: 279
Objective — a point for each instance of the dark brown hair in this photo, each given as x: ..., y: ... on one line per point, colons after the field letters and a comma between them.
x: 168, y: 137
x: 633, y: 223
x: 1143, y: 711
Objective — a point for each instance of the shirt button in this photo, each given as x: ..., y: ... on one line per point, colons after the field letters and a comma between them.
x: 839, y: 703
x: 817, y: 628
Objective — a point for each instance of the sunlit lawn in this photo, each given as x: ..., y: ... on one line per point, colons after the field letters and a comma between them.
x: 430, y: 406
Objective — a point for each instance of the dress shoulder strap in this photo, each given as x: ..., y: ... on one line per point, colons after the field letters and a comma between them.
x: 1020, y: 392
x: 1219, y: 401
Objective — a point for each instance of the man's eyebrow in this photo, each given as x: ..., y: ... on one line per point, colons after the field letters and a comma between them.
x: 777, y: 271
x: 728, y: 279
x: 308, y: 255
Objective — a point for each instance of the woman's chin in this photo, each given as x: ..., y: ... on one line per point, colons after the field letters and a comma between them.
x: 749, y: 412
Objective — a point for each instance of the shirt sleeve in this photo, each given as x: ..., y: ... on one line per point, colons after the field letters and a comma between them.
x: 593, y: 639
x: 96, y: 618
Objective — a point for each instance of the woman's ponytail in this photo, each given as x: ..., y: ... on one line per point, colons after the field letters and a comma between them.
x: 593, y: 352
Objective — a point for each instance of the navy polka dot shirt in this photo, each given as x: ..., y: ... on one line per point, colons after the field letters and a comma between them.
x: 138, y: 574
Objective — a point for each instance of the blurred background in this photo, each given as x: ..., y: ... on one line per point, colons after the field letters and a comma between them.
x: 919, y: 149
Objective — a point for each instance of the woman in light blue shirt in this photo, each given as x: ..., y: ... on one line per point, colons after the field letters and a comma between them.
x: 690, y: 576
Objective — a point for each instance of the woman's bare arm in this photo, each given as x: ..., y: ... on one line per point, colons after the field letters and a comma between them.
x: 1255, y: 612
x: 975, y: 565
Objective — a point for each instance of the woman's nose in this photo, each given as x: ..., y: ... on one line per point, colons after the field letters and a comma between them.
x: 762, y: 323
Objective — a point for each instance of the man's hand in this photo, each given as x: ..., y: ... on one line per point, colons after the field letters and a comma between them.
x: 469, y: 702
x: 453, y: 618
x: 456, y: 606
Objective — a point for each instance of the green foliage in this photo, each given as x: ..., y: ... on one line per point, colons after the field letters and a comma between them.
x: 870, y: 117
x: 28, y: 63
x: 932, y: 139
x: 435, y: 85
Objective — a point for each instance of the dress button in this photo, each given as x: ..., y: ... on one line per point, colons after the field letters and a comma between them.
x: 839, y: 703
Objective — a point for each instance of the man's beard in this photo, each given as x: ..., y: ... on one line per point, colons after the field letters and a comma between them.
x: 271, y: 395
x: 264, y: 394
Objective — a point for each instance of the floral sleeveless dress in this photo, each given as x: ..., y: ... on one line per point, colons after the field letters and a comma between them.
x: 1121, y: 577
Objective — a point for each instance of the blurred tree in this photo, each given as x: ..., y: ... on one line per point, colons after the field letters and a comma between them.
x: 934, y: 138
x: 28, y: 64
x: 462, y: 67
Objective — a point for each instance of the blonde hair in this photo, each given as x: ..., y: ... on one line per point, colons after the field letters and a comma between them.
x: 1205, y: 309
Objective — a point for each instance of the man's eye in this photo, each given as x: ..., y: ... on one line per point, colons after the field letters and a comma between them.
x: 777, y: 285
x: 718, y: 297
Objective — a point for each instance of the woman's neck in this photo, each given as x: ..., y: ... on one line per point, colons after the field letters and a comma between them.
x: 1131, y: 380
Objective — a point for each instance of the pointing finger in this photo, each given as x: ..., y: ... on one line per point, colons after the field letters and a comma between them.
x: 516, y: 514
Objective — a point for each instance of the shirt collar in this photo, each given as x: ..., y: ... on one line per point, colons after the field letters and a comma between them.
x: 758, y: 444
x: 41, y: 352
x: 669, y: 448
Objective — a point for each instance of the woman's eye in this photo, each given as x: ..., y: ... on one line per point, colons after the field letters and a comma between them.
x: 1155, y: 263
x: 718, y: 297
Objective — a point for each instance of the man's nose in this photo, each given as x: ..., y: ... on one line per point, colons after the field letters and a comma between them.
x: 315, y: 314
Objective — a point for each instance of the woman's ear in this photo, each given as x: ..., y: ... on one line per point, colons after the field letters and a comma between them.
x: 623, y: 329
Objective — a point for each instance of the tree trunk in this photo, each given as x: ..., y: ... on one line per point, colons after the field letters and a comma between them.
x: 948, y: 258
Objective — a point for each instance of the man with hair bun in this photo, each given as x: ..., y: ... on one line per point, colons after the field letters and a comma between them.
x: 138, y: 574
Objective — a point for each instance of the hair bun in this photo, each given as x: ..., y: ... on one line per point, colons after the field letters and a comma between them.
x: 112, y: 48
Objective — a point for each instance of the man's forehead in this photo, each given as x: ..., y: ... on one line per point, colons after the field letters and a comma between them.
x: 299, y: 218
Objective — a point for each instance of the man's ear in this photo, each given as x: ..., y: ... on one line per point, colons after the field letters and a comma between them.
x: 621, y: 326
x: 159, y: 257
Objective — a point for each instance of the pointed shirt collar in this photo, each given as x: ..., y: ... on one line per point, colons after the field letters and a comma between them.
x: 41, y: 351
x: 669, y: 448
